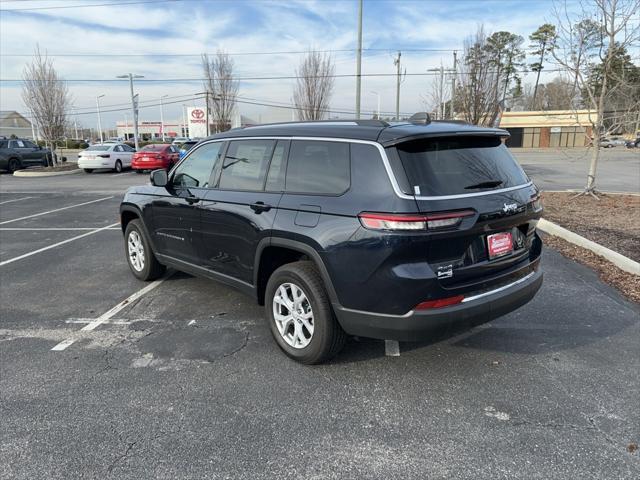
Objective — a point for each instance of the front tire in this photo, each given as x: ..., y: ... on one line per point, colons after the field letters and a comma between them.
x: 300, y: 315
x: 142, y: 262
x: 118, y: 166
x: 14, y: 164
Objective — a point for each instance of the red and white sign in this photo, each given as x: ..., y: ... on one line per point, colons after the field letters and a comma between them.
x: 499, y: 244
x: 197, y: 122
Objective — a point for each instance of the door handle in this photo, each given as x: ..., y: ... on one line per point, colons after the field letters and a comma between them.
x: 260, y: 207
x: 191, y: 199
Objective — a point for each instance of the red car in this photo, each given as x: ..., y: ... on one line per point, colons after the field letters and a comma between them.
x: 151, y: 157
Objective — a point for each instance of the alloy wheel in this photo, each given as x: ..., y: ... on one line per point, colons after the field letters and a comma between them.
x: 293, y: 315
x: 136, y: 251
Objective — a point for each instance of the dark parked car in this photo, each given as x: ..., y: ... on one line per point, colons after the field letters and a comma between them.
x: 633, y: 143
x: 16, y: 153
x: 390, y: 231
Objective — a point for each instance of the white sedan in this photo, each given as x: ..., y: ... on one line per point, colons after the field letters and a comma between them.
x: 114, y: 156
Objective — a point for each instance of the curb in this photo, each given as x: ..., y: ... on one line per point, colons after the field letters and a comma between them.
x: 633, y: 194
x: 27, y: 173
x: 620, y: 261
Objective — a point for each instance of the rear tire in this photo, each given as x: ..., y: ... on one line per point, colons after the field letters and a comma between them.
x: 143, y: 263
x: 291, y: 331
x: 118, y: 166
x: 14, y: 164
x: 88, y: 170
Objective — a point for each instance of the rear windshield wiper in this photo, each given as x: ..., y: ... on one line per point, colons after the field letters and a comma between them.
x: 487, y: 184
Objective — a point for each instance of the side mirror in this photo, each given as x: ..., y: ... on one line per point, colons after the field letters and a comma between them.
x: 159, y: 178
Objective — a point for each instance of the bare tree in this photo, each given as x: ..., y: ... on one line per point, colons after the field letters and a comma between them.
x: 221, y: 87
x: 581, y: 55
x: 48, y: 98
x: 477, y: 82
x: 314, y: 86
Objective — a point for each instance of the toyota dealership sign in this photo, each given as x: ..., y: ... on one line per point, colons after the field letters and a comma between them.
x: 197, y: 119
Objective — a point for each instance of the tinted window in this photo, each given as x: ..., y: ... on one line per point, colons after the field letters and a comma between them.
x: 16, y: 144
x: 275, y: 177
x: 29, y: 144
x: 127, y: 148
x: 318, y: 167
x: 245, y: 164
x: 117, y: 148
x: 459, y: 165
x: 196, y: 169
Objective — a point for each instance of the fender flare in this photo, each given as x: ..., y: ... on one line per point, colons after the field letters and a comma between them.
x: 301, y: 247
x: 129, y: 207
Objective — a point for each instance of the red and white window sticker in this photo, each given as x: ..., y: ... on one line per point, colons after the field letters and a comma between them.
x: 499, y: 244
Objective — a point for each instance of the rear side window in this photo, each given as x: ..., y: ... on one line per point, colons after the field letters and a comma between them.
x: 318, y: 167
x: 245, y: 164
x: 459, y: 165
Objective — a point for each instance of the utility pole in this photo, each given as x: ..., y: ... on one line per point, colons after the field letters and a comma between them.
x: 134, y: 105
x: 162, y: 116
x: 442, y: 112
x: 396, y: 62
x: 359, y: 61
x: 33, y: 128
x: 206, y: 99
x: 184, y: 121
x: 453, y: 84
x: 99, y: 120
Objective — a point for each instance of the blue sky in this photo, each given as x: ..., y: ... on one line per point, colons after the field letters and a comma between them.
x: 170, y: 36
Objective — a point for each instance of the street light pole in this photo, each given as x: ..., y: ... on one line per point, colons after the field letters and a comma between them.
x: 359, y: 61
x: 162, y: 115
x: 134, y: 106
x: 184, y: 121
x: 377, y: 95
x: 99, y: 120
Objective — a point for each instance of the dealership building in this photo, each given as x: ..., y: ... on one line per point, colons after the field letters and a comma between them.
x: 544, y: 129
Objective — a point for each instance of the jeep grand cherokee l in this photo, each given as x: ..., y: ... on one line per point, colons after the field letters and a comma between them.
x: 365, y: 228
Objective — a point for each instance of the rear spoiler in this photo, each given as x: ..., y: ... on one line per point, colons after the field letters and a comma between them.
x: 498, y: 132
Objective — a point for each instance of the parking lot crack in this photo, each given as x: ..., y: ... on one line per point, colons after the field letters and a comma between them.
x: 122, y: 457
x: 241, y: 347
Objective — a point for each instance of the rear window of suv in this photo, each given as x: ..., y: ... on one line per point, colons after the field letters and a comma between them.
x: 459, y: 165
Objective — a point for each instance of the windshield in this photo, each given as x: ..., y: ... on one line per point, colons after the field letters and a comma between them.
x: 99, y: 148
x: 459, y: 165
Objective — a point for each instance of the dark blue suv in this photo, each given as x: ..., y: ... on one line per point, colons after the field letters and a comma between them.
x: 339, y: 228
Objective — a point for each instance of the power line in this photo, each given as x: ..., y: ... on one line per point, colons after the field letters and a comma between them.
x: 280, y: 77
x: 60, y: 7
x: 234, y: 54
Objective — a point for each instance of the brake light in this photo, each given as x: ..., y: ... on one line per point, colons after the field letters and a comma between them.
x: 441, y: 302
x: 536, y: 202
x: 407, y: 222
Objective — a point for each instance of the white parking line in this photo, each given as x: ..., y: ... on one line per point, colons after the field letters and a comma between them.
x: 53, y: 229
x: 107, y: 315
x: 391, y: 348
x: 56, y: 210
x: 40, y: 250
x: 15, y: 200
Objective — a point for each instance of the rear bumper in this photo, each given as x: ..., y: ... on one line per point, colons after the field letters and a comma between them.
x: 148, y: 165
x: 420, y: 325
x: 96, y: 163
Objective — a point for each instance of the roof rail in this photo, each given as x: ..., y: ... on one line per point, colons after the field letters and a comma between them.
x: 363, y: 123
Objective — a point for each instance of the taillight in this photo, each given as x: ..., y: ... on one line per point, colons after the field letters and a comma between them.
x: 104, y: 155
x: 441, y: 302
x: 407, y: 222
x: 536, y: 202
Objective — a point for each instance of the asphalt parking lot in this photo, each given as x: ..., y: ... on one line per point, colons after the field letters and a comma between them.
x: 102, y: 375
